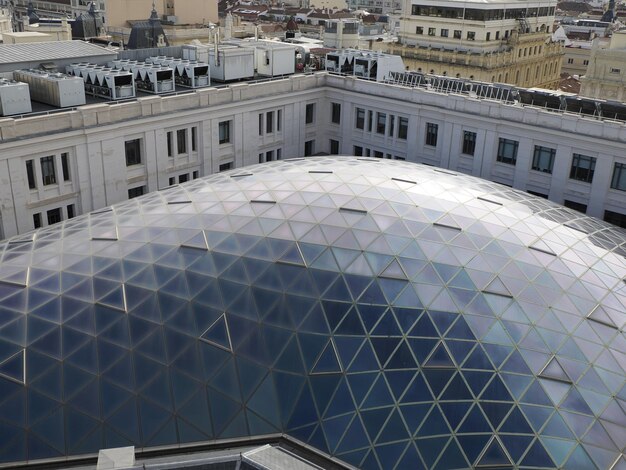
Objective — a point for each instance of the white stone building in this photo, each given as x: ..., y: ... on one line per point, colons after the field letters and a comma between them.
x: 606, y: 72
x: 55, y: 166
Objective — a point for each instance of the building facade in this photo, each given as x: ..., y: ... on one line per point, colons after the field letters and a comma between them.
x: 606, y: 73
x: 53, y: 167
x: 490, y: 41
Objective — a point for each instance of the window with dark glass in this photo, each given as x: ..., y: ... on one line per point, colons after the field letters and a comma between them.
x: 224, y: 132
x: 403, y: 127
x: 444, y: 33
x: 577, y: 206
x: 471, y: 35
x: 378, y: 154
x: 381, y: 120
x: 457, y: 33
x: 181, y: 140
x: 308, y: 148
x: 358, y: 151
x: 170, y: 144
x: 269, y: 122
x: 48, y: 172
x: 615, y: 218
x: 226, y: 166
x: 370, y: 120
x: 172, y: 181
x: 37, y: 220
x: 619, y: 177
x: 136, y: 192
x: 392, y: 123
x: 309, y: 113
x: 261, y: 157
x: 70, y: 211
x: 335, y: 116
x: 469, y: 142
x: 65, y: 167
x: 543, y: 159
x: 507, y: 151
x: 432, y: 31
x: 583, y: 167
x: 334, y: 147
x: 30, y: 174
x: 194, y: 139
x: 431, y: 134
x: 196, y: 174
x: 279, y: 118
x: 260, y: 123
x: 360, y: 118
x: 269, y: 155
x: 419, y: 30
x: 279, y: 154
x: 132, y: 148
x: 54, y: 216
x: 183, y: 178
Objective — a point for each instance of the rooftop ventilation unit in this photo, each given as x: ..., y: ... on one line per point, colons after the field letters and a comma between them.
x: 151, y: 78
x: 187, y: 73
x: 53, y: 88
x: 103, y: 81
x: 14, y: 98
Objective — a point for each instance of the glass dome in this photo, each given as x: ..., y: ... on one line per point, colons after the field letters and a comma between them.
x: 389, y: 314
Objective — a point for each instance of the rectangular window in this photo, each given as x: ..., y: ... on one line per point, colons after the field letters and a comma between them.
x: 335, y: 116
x: 381, y: 120
x: 432, y: 31
x: 279, y: 120
x: 367, y: 152
x: 226, y: 166
x: 419, y: 30
x: 471, y: 35
x: 132, y: 148
x: 194, y: 139
x: 196, y: 174
x: 370, y: 120
x: 360, y: 118
x: 136, y: 192
x: 497, y: 35
x: 403, y: 128
x: 309, y: 148
x: 261, y: 157
x: 457, y: 34
x: 358, y: 151
x: 570, y: 61
x: 183, y: 178
x: 619, y: 177
x: 585, y: 62
x: 279, y: 154
x: 170, y: 144
x: 431, y: 134
x: 507, y: 151
x: 392, y: 122
x: 48, y: 173
x: 172, y: 181
x: 65, y: 167
x: 224, y: 132
x: 260, y: 123
x: 30, y: 174
x: 615, y: 218
x: 309, y: 113
x: 378, y: 154
x: 71, y: 213
x: 269, y: 156
x: 469, y: 142
x: 582, y: 168
x: 577, y: 206
x: 37, y: 220
x: 334, y: 147
x: 444, y: 33
x: 543, y: 159
x: 269, y: 122
x: 54, y: 216
x: 181, y: 140
x: 488, y: 37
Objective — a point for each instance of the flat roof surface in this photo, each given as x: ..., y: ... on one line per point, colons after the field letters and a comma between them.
x: 47, y: 51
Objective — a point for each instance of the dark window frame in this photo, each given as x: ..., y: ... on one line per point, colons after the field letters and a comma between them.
x: 469, y: 143
x: 432, y: 134
x: 507, y: 151
x: 580, y: 173
x: 540, y: 154
x: 132, y: 151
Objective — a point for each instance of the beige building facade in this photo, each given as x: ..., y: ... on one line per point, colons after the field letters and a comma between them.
x: 606, y: 73
x: 491, y: 41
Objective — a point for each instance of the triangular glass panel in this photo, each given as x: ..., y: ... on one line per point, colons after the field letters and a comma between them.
x: 496, y: 286
x: 599, y: 315
x: 292, y: 256
x: 494, y: 456
x: 13, y: 368
x: 328, y: 362
x: 198, y: 242
x: 218, y: 334
x: 554, y: 371
x: 440, y: 358
x: 394, y: 270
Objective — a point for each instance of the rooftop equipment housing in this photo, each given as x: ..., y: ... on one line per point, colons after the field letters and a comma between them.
x: 151, y: 78
x: 187, y: 73
x: 271, y: 59
x: 229, y: 63
x: 56, y: 89
x: 14, y: 98
x: 364, y: 64
x: 104, y: 82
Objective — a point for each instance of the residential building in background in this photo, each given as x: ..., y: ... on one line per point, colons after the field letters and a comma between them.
x: 606, y: 74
